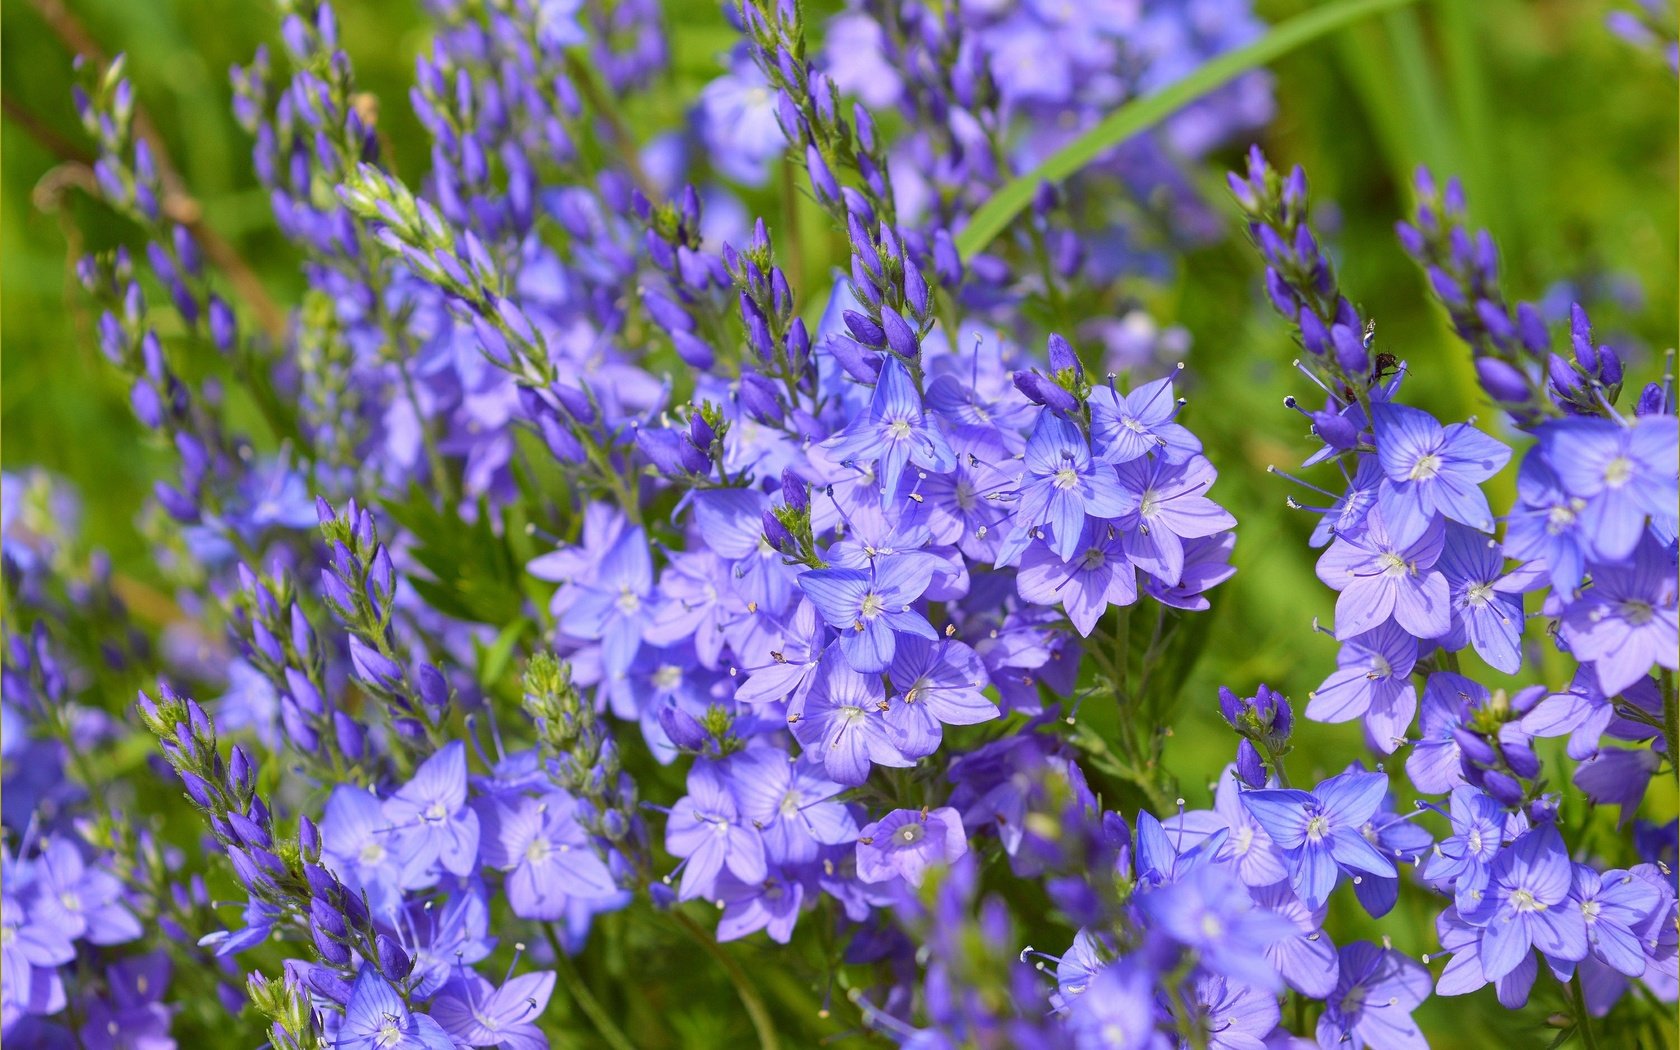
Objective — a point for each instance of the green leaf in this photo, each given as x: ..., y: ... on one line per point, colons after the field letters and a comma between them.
x: 474, y: 574
x: 1013, y: 197
x: 493, y: 659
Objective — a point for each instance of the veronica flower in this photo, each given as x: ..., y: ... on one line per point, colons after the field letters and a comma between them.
x: 894, y: 431
x: 431, y: 824
x: 357, y: 846
x: 1545, y: 526
x: 78, y: 901
x: 1382, y: 580
x: 967, y: 506
x: 615, y: 608
x: 772, y: 904
x: 1320, y: 831
x: 707, y: 829
x: 1125, y: 427
x: 1485, y: 613
x: 549, y: 860
x: 906, y: 842
x: 1247, y: 845
x: 1464, y: 858
x: 1167, y: 506
x: 1061, y: 487
x: 870, y: 609
x: 1524, y: 906
x: 1627, y: 620
x: 477, y: 1013
x: 788, y: 675
x: 1207, y: 563
x: 844, y: 722
x: 1375, y: 994
x: 1434, y: 764
x: 737, y: 119
x: 1306, y: 960
x: 1209, y: 912
x: 376, y: 1018
x: 940, y: 683
x: 1622, y: 471
x: 1117, y: 1011
x: 791, y: 803
x: 1614, y: 906
x: 1235, y: 1015
x: 1098, y: 575
x: 132, y: 1012
x: 1432, y: 470
x: 1373, y: 681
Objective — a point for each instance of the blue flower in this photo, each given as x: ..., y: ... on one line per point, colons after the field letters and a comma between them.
x: 615, y: 606
x: 1430, y: 470
x: 1383, y: 581
x: 1487, y: 608
x: 549, y: 860
x: 1373, y: 681
x: 1524, y: 906
x: 1125, y: 427
x: 1372, y: 1004
x: 376, y: 1018
x: 477, y: 1013
x: 1628, y: 619
x: 706, y: 828
x: 846, y: 722
x: 1208, y: 911
x: 1061, y: 487
x: 870, y: 609
x: 431, y: 824
x: 1321, y: 831
x: 1621, y: 472
x: 905, y: 843
x: 791, y: 803
x: 894, y: 431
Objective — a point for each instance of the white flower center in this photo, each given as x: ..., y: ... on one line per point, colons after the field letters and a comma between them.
x: 1427, y: 466
x: 1618, y: 472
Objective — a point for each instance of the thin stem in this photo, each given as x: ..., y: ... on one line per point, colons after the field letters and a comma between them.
x: 585, y: 999
x: 1583, y: 1020
x: 623, y: 142
x: 177, y: 202
x: 743, y: 984
x: 1671, y: 713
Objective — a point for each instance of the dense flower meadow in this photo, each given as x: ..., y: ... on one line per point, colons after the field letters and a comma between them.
x: 634, y: 539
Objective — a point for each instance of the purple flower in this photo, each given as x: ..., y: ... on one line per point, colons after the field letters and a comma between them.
x: 871, y: 609
x: 1464, y: 858
x: 791, y: 804
x: 1382, y: 581
x: 772, y: 904
x: 431, y: 824
x: 939, y: 683
x: 1097, y: 576
x: 1061, y: 487
x: 1432, y: 470
x: 1168, y: 505
x: 707, y: 829
x: 549, y: 860
x: 1237, y: 1016
x: 1208, y: 911
x: 1486, y: 614
x: 615, y: 606
x: 1545, y: 526
x: 906, y: 842
x: 894, y: 431
x: 131, y: 1014
x: 357, y: 846
x: 1622, y: 471
x: 79, y: 902
x: 846, y: 722
x: 1307, y: 959
x: 477, y: 1013
x: 1523, y: 906
x: 1615, y: 906
x: 1125, y: 427
x: 1117, y: 1011
x: 737, y: 120
x: 1372, y: 680
x: 376, y: 1018
x: 1434, y: 766
x: 1376, y: 991
x: 1320, y: 831
x: 1626, y: 621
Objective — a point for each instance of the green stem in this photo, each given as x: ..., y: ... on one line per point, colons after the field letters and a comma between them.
x: 749, y: 996
x: 1583, y: 1020
x: 585, y: 999
x: 1671, y: 714
x: 1015, y: 195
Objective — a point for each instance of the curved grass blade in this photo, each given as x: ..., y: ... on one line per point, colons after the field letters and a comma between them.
x: 1014, y: 196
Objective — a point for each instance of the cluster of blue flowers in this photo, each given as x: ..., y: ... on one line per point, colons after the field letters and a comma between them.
x: 602, y: 553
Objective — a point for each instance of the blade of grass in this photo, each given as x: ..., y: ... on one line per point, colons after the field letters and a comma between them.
x: 1012, y: 197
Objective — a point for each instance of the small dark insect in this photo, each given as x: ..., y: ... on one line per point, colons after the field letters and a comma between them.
x: 1387, y: 365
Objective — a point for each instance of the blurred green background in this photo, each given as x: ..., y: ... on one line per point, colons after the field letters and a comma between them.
x: 1565, y: 137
